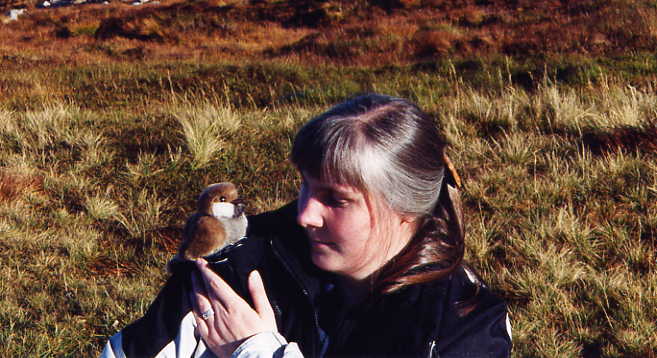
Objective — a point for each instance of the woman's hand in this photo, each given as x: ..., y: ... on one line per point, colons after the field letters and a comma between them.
x: 224, y: 320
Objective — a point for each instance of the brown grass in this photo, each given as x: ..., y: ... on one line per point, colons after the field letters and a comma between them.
x: 13, y: 185
x: 97, y: 174
x: 628, y: 139
x: 105, y: 266
x: 566, y: 236
x: 436, y: 41
x: 402, y: 31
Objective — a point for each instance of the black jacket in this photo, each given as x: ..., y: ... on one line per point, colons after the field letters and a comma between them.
x: 422, y: 320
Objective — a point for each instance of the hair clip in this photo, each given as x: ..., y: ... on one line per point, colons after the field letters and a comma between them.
x: 452, y: 175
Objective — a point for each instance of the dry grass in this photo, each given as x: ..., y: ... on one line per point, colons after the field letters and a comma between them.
x: 336, y: 32
x: 105, y: 143
x: 92, y: 200
x: 205, y: 127
x: 555, y: 228
x: 16, y: 184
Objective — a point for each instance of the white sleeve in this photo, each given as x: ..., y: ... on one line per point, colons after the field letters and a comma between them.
x: 184, y: 345
x: 113, y: 347
x: 267, y: 345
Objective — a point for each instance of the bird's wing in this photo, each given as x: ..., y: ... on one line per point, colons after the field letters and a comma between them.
x: 206, y: 235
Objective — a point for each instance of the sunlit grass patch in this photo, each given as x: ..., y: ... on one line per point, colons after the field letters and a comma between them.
x: 562, y: 108
x: 101, y: 207
x: 143, y: 214
x: 49, y: 126
x: 145, y: 167
x: 205, y: 128
x: 93, y: 150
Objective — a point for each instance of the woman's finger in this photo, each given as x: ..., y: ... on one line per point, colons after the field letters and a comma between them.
x: 201, y: 327
x: 259, y: 296
x: 200, y: 304
x: 218, y: 290
x: 197, y: 293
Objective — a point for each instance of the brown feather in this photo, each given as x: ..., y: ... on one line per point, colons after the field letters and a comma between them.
x: 204, y: 234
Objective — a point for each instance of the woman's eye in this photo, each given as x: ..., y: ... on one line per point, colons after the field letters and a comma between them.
x: 338, y: 201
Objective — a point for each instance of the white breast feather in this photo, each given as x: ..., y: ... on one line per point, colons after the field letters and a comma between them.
x: 223, y: 210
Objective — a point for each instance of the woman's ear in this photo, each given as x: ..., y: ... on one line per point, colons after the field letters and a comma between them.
x: 405, y: 219
x: 412, y: 222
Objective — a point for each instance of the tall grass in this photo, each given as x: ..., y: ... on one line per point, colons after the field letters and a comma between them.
x: 560, y: 192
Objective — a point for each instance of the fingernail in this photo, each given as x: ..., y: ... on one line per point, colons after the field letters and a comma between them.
x: 255, y: 275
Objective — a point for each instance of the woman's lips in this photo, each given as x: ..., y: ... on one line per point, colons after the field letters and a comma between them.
x: 321, y: 243
x: 315, y: 241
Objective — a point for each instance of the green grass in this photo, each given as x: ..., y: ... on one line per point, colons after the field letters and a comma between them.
x: 101, y: 164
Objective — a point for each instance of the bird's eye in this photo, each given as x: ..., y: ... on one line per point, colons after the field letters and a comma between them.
x: 222, y: 199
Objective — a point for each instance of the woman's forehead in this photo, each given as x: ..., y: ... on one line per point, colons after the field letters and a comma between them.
x: 328, y: 185
x: 375, y: 204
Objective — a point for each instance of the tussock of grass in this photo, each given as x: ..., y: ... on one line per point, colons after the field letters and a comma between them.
x: 203, y: 127
x: 143, y: 215
x: 101, y: 208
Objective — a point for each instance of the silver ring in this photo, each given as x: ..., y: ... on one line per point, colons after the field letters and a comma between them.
x: 207, y: 314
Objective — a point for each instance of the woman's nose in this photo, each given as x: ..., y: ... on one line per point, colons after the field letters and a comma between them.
x: 309, y: 212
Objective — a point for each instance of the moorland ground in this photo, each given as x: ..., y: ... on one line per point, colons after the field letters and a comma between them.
x: 112, y: 118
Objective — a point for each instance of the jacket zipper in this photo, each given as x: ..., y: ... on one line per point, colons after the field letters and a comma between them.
x: 305, y: 293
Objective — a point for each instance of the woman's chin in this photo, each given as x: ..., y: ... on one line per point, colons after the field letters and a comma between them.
x: 322, y: 260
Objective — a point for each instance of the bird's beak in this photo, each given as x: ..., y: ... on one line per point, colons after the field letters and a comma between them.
x: 239, y: 207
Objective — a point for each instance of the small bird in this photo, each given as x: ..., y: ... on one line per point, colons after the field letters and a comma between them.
x: 219, y: 220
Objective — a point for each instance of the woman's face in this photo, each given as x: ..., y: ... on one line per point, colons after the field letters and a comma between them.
x: 345, y: 237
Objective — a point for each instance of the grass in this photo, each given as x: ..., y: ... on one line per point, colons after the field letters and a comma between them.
x: 364, y: 33
x: 92, y: 194
x: 203, y: 127
x: 105, y: 144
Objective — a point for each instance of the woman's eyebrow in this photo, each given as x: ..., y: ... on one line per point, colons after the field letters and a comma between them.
x: 329, y: 187
x: 341, y: 191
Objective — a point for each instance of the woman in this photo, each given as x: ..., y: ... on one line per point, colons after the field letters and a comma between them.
x: 367, y: 262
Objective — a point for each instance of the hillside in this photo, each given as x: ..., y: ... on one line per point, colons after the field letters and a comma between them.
x: 371, y: 33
